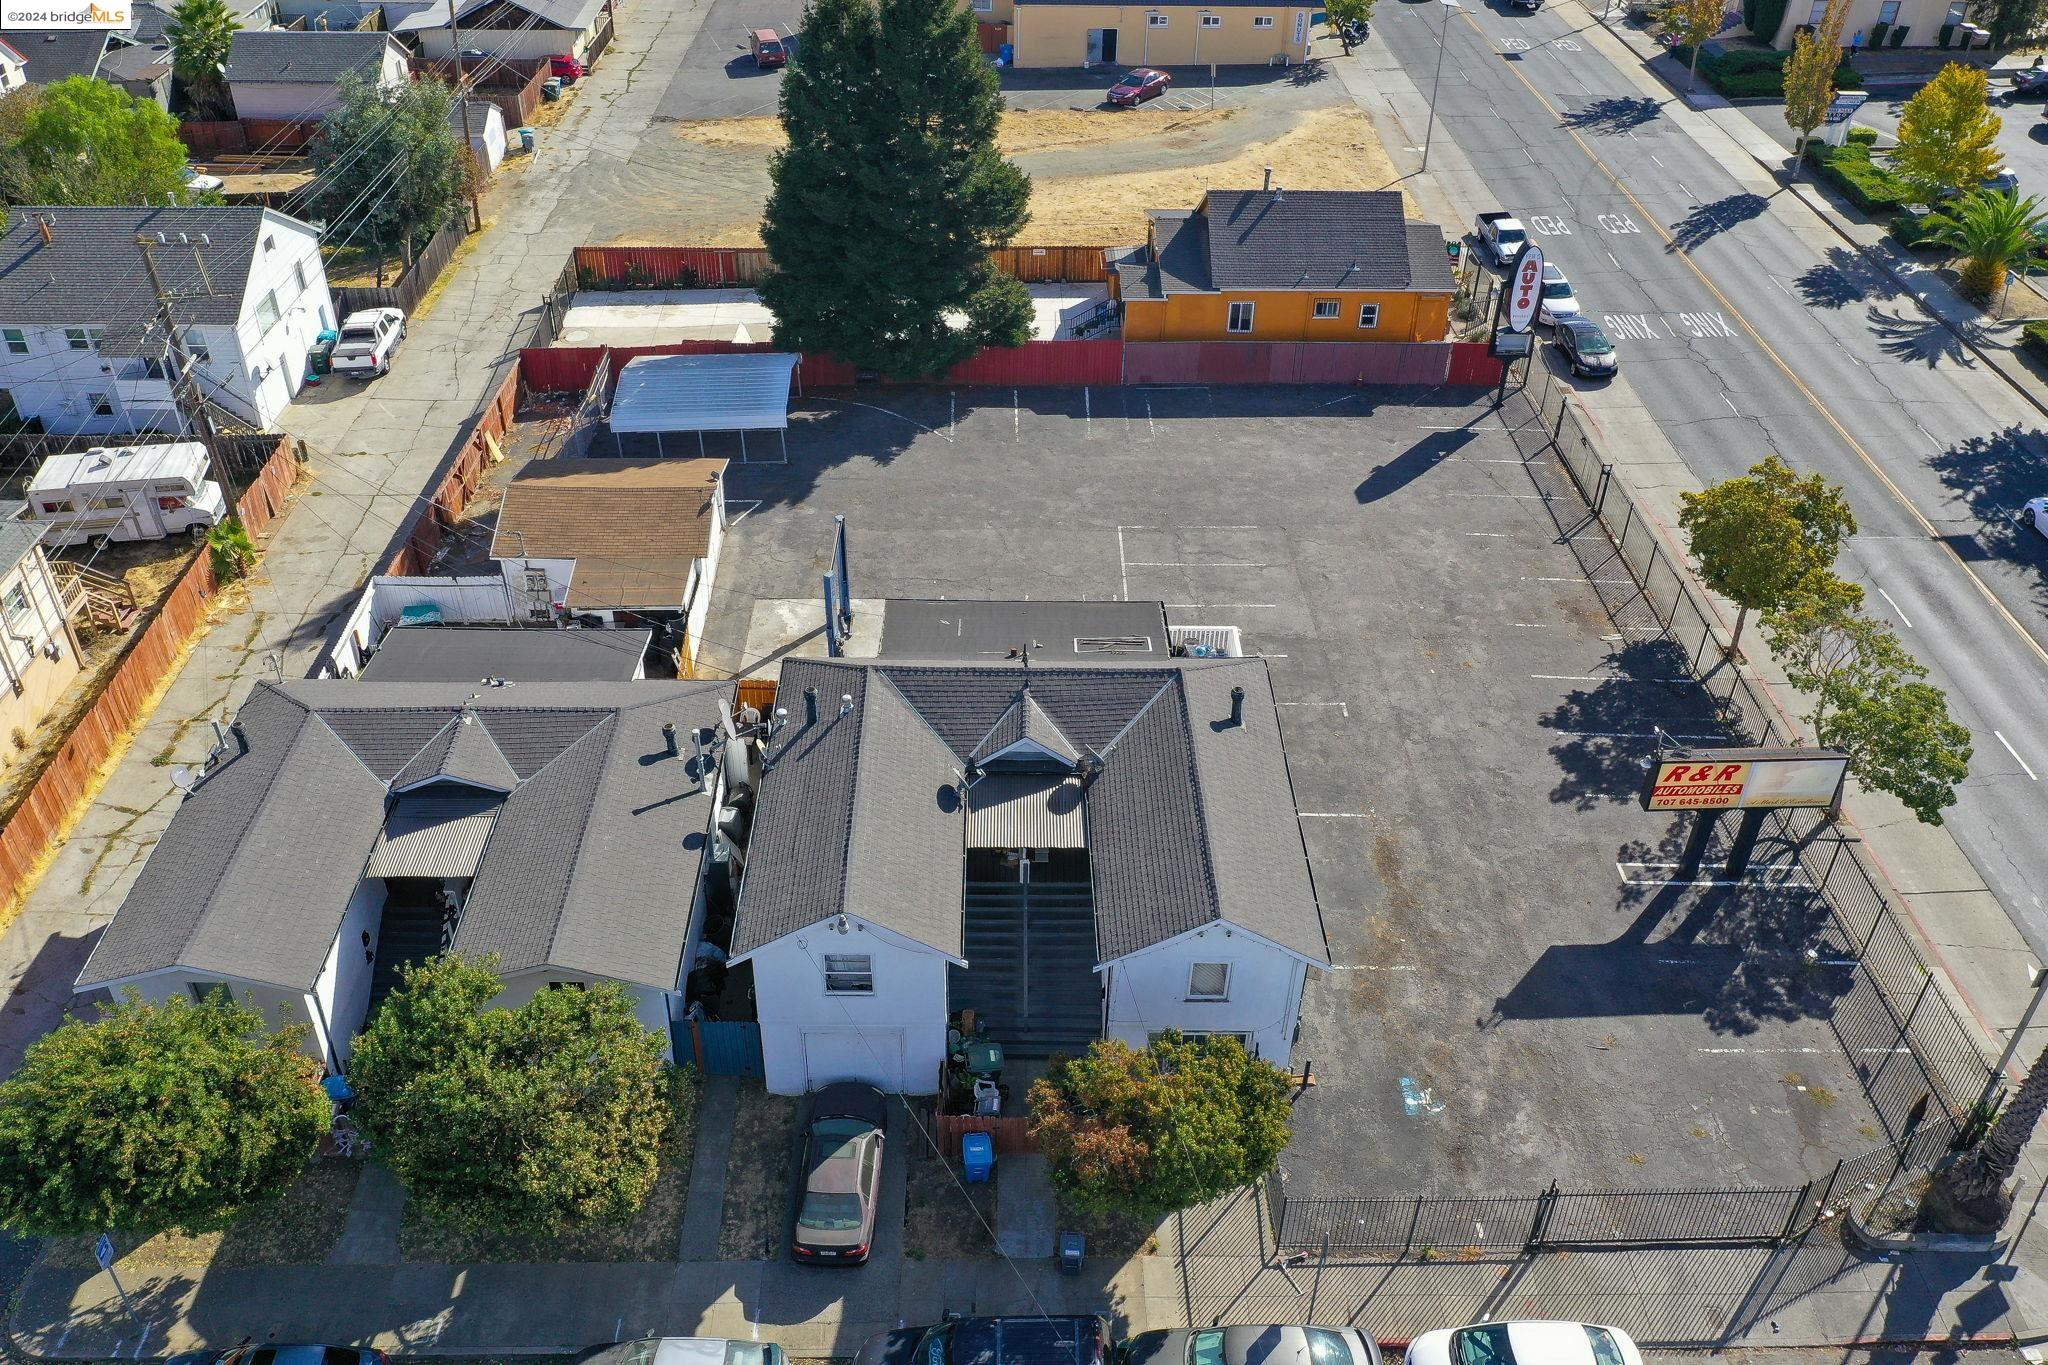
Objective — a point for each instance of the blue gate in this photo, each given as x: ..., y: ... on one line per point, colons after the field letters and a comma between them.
x: 724, y: 1047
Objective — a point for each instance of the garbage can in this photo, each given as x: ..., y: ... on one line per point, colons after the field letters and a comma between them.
x: 1073, y: 1247
x: 977, y: 1156
x: 984, y: 1058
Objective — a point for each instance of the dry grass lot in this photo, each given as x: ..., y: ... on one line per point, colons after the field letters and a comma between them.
x: 297, y: 1228
x: 944, y: 1217
x: 1093, y: 173
x: 758, y: 1175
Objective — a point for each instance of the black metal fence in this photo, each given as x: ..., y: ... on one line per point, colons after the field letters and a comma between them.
x: 1432, y: 1228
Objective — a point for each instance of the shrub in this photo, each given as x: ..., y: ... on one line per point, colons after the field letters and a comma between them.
x: 2034, y: 340
x: 1866, y: 137
x: 1916, y: 230
x: 1749, y: 73
x: 234, y: 554
x: 1866, y: 184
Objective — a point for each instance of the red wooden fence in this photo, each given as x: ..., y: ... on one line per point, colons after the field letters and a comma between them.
x: 431, y: 522
x: 1473, y: 363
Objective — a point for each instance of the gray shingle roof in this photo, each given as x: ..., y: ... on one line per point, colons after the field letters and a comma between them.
x: 91, y: 273
x: 1289, y: 239
x: 472, y: 653
x: 589, y: 865
x: 54, y: 53
x: 285, y: 57
x: 1190, y: 820
x: 17, y: 537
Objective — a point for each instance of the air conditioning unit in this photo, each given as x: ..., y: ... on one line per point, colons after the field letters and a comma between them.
x: 1206, y: 642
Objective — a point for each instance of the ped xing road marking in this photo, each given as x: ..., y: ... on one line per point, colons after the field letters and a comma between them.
x: 1550, y: 226
x: 1619, y: 223
x: 1632, y: 326
x: 1869, y: 461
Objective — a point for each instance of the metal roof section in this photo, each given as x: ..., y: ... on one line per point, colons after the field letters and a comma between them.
x: 1026, y: 810
x: 666, y: 393
x: 438, y: 832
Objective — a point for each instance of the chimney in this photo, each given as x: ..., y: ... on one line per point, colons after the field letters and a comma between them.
x: 668, y: 737
x: 810, y: 706
x: 1269, y: 179
x: 43, y: 226
x: 1237, y: 706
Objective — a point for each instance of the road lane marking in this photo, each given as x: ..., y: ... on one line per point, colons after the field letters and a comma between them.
x: 1895, y: 607
x: 2016, y: 757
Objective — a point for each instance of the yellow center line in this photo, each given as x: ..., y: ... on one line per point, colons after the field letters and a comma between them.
x: 1672, y: 245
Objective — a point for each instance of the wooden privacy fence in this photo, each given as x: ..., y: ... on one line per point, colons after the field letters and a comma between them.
x: 708, y: 267
x: 281, y: 137
x: 413, y: 285
x: 432, y: 521
x: 1012, y: 1136
x: 44, y: 817
x: 512, y: 85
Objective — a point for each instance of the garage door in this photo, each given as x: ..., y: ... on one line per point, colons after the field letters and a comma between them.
x: 873, y: 1055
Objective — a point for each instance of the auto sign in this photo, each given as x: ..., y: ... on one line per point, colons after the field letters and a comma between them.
x: 1525, y: 288
x: 1744, y: 779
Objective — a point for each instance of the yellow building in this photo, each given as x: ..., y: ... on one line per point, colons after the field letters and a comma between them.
x: 1287, y: 265
x: 1181, y: 35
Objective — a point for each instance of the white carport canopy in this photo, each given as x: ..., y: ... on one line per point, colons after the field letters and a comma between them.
x: 670, y: 393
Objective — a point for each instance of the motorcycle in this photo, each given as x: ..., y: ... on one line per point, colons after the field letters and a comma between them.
x: 1354, y: 31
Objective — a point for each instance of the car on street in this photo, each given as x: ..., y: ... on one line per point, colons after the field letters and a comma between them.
x: 1138, y: 85
x: 1524, y: 1343
x: 1586, y: 348
x: 2034, y: 513
x: 1559, y: 302
x: 683, y: 1351
x: 1501, y: 234
x: 843, y: 1136
x: 1281, y: 1345
x: 2030, y: 82
x: 271, y: 1353
x: 769, y: 49
x: 368, y: 341
x: 1033, y: 1340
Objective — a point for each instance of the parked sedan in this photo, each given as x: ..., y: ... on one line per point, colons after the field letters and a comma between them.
x: 368, y: 341
x: 272, y: 1354
x: 2034, y: 513
x: 1559, y: 302
x: 1251, y: 1346
x: 1138, y: 86
x: 835, y: 1223
x: 1586, y: 348
x: 1525, y: 1343
x: 1034, y: 1340
x: 684, y: 1351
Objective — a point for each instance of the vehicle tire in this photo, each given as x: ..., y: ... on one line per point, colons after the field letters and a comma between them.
x: 99, y: 543
x: 197, y: 530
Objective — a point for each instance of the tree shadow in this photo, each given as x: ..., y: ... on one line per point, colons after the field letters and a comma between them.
x: 1615, y: 114
x: 1710, y: 220
x: 1919, y: 340
x: 1994, y: 474
x: 1841, y: 278
x: 1607, y: 728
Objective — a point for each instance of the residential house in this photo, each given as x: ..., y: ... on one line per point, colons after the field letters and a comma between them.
x: 1176, y: 33
x: 38, y: 650
x: 345, y: 829
x: 52, y: 54
x: 1071, y: 852
x: 296, y: 75
x: 13, y: 67
x: 512, y: 29
x: 622, y: 542
x: 81, y: 350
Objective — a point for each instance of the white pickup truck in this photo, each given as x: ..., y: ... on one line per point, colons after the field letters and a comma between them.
x: 1501, y: 235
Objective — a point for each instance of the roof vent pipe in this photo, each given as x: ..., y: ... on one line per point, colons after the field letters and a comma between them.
x: 845, y: 702
x: 810, y: 706
x: 1269, y: 179
x: 668, y: 737
x: 43, y: 224
x: 1237, y: 706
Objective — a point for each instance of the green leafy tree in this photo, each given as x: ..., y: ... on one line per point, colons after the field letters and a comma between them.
x: 392, y: 165
x: 201, y: 32
x: 1948, y: 136
x: 15, y: 108
x: 1693, y: 23
x: 2012, y: 23
x: 84, y: 141
x: 529, y: 1120
x: 1868, y: 696
x: 156, y: 1117
x: 1995, y: 231
x: 890, y: 195
x: 1759, y: 535
x: 1810, y: 76
x: 1147, y: 1133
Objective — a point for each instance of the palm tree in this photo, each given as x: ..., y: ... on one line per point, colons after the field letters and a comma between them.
x: 201, y: 32
x: 1970, y: 1195
x: 1995, y: 231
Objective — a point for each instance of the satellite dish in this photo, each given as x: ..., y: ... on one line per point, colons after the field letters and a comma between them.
x: 184, y: 779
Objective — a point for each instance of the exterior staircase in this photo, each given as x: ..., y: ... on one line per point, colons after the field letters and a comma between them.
x: 1030, y: 979
x: 93, y: 597
x: 412, y: 931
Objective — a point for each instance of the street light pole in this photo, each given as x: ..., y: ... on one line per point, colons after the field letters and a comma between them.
x: 1145, y: 58
x: 1201, y: 18
x: 1443, y: 40
x: 2037, y: 977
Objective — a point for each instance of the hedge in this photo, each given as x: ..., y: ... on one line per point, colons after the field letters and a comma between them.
x: 1867, y: 185
x: 2034, y: 340
x: 1747, y: 72
x: 1915, y: 230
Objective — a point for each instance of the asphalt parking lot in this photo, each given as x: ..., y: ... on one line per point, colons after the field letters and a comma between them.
x: 1520, y: 994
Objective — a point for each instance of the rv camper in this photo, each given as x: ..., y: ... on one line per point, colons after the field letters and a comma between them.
x: 125, y: 493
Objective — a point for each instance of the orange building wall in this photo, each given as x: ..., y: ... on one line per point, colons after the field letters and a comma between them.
x: 1287, y: 315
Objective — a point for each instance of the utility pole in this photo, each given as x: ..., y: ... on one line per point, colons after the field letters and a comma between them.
x: 185, y: 390
x: 476, y: 212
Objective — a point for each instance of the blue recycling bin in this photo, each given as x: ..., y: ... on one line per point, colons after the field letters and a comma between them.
x: 977, y: 1156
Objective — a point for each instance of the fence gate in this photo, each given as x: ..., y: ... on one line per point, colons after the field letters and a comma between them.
x: 725, y: 1047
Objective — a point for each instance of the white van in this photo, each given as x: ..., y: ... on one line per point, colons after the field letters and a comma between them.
x: 125, y: 493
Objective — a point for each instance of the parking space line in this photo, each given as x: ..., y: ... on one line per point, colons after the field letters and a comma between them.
x: 1334, y: 814
x: 1529, y: 497
x: 1489, y: 535
x: 749, y: 504
x: 1150, y: 430
x: 1123, y: 565
x: 1604, y: 677
x: 1218, y: 606
x: 1199, y: 564
x: 1341, y: 706
x: 1579, y: 578
x: 1016, y: 417
x: 1640, y: 734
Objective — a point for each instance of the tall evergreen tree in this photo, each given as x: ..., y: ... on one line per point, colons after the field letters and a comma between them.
x: 891, y: 193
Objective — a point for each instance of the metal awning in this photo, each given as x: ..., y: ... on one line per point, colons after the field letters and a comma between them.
x: 1026, y: 810
x: 432, y: 833
x: 741, y: 392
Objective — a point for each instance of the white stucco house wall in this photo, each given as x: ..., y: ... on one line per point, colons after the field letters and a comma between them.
x: 296, y: 74
x: 348, y: 827
x: 38, y: 647
x: 80, y: 349
x: 516, y: 30
x: 486, y: 132
x: 1068, y: 851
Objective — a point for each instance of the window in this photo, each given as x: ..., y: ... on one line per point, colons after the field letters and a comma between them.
x: 1209, y: 981
x: 1206, y: 1348
x: 8, y: 411
x: 1156, y: 20
x: 17, y: 340
x: 1368, y: 315
x: 1888, y: 12
x: 1485, y: 1344
x: 17, y: 602
x: 195, y: 346
x: 1326, y: 1347
x: 1262, y: 21
x: 299, y: 274
x: 568, y: 985
x: 1818, y: 13
x: 1240, y: 317
x: 102, y: 405
x: 1956, y: 12
x: 82, y: 338
x: 1606, y: 1350
x: 849, y: 974
x: 117, y: 503
x: 984, y: 6
x: 1212, y: 21
x: 153, y: 368
x: 202, y: 991
x: 1326, y: 308
x: 266, y: 313
x: 59, y: 505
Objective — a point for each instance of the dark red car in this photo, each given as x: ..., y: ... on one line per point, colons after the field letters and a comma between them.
x: 1138, y: 86
x: 568, y: 68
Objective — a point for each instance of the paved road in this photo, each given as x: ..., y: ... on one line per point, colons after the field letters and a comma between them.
x: 1746, y: 332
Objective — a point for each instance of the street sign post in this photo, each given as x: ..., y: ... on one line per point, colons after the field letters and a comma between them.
x: 103, y: 1252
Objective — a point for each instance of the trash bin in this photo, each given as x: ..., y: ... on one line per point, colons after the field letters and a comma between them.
x: 551, y: 88
x: 984, y: 1059
x: 526, y: 139
x: 1072, y: 1247
x: 977, y: 1156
